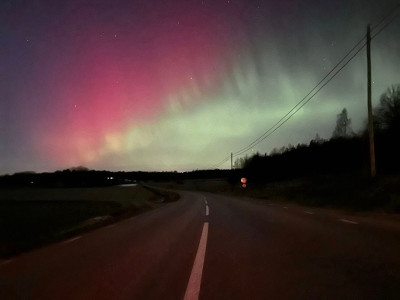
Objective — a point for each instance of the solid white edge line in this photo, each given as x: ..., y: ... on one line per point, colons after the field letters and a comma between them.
x: 207, y: 210
x: 193, y: 287
x: 308, y: 212
x: 348, y: 221
x: 71, y: 240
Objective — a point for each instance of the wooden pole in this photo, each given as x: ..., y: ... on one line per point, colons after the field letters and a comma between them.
x: 370, y: 117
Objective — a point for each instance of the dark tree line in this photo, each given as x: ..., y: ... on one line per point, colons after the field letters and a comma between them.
x: 344, y: 152
x: 83, y: 177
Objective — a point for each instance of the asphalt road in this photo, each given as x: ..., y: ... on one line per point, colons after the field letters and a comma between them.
x: 217, y: 247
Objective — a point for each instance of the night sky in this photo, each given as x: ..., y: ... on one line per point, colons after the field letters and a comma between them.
x: 178, y: 85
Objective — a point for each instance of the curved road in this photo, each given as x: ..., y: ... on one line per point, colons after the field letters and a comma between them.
x: 209, y: 246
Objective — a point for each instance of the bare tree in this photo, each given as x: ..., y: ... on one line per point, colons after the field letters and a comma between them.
x: 317, y: 139
x: 342, y: 128
x: 240, y: 162
x: 387, y: 114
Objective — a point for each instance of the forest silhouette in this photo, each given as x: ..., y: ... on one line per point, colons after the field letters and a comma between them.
x: 344, y: 152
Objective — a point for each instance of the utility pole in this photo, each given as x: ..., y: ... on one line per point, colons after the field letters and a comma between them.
x: 370, y: 117
x: 231, y: 160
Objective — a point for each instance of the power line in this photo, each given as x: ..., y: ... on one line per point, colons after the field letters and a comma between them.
x: 255, y: 142
x: 385, y: 16
x: 385, y: 26
x: 312, y: 96
x: 303, y: 101
x: 221, y: 162
x: 296, y: 108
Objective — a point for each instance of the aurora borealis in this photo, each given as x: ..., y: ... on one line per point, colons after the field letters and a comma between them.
x: 177, y: 85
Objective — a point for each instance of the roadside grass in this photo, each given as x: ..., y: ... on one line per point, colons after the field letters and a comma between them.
x: 164, y: 195
x: 348, y: 191
x: 345, y: 191
x: 32, y: 217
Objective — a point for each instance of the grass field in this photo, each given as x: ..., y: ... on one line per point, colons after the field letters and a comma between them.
x: 30, y: 217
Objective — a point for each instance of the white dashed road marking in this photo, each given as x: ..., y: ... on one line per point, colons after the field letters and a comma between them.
x: 207, y: 210
x: 71, y: 240
x: 348, y: 221
x: 193, y: 287
x: 308, y: 212
x: 5, y: 262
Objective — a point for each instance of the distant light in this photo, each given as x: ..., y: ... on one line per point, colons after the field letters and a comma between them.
x: 243, y: 180
x: 31, y: 182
